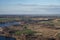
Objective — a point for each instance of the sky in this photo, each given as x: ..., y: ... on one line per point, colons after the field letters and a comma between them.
x: 29, y: 7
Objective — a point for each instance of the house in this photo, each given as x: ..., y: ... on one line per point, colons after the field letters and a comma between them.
x: 57, y: 27
x: 1, y: 29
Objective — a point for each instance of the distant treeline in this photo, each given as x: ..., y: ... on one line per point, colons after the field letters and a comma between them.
x: 30, y: 16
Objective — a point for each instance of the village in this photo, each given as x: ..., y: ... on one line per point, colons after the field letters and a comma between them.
x: 32, y: 29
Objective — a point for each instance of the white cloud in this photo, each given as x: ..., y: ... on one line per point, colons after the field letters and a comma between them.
x: 30, y: 9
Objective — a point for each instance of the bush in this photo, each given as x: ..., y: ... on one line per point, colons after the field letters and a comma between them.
x: 27, y: 31
x: 18, y: 32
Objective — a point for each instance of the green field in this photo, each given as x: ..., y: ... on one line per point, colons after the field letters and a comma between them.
x: 7, y: 19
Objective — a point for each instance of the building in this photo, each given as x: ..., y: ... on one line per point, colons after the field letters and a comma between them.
x: 1, y: 29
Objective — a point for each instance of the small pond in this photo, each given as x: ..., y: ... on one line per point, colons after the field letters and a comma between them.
x: 6, y: 38
x: 9, y: 24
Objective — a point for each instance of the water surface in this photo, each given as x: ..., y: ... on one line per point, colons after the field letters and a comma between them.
x: 9, y: 24
x: 6, y: 38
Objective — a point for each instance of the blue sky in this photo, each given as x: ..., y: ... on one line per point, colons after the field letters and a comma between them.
x: 57, y: 2
x: 29, y: 6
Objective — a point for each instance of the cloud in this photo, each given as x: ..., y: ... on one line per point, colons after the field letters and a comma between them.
x: 30, y: 9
